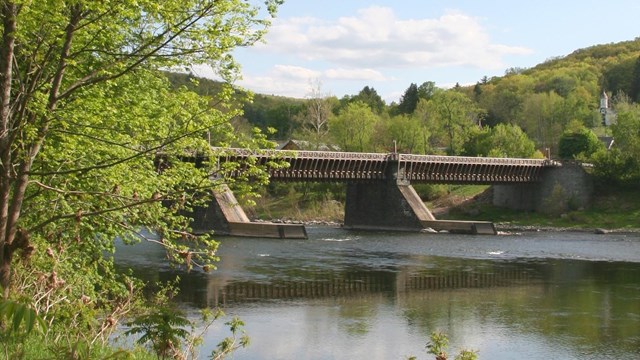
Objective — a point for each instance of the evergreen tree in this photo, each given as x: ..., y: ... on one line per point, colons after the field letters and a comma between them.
x: 369, y: 96
x: 409, y: 100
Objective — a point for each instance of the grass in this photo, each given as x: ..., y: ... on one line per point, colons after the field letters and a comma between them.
x: 611, y: 208
x: 35, y: 346
x: 294, y: 206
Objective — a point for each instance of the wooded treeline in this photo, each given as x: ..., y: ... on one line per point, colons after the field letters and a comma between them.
x: 552, y: 109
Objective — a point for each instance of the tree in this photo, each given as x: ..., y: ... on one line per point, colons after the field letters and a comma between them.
x: 426, y: 118
x: 634, y: 91
x: 540, y: 119
x: 455, y: 116
x: 92, y: 140
x: 622, y: 163
x: 409, y: 100
x: 426, y: 90
x: 370, y: 96
x: 406, y: 132
x: 578, y: 142
x: 353, y: 126
x: 315, y: 119
x: 504, y: 140
x: 507, y: 99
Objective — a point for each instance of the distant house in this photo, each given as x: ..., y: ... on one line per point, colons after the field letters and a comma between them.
x: 607, y: 141
x: 288, y: 145
x: 304, y: 145
x: 608, y: 115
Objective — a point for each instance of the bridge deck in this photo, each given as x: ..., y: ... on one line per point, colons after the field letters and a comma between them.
x: 356, y: 167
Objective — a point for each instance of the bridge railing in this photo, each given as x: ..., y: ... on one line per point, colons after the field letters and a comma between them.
x: 348, y: 166
x: 460, y: 169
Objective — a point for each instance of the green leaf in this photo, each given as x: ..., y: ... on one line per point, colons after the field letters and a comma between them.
x: 18, y: 315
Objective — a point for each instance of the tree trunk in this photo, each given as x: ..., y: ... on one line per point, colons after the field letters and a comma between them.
x: 8, y: 13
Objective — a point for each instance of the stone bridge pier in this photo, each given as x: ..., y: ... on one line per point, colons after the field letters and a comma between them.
x: 389, y: 204
x: 392, y: 204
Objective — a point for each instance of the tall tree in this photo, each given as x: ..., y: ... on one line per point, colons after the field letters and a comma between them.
x: 426, y: 90
x: 634, y: 91
x: 622, y: 163
x: 578, y: 141
x: 455, y: 116
x: 507, y: 140
x: 405, y: 133
x: 315, y: 119
x: 353, y: 126
x: 409, y: 100
x: 91, y: 140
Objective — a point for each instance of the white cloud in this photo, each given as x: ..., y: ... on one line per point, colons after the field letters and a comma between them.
x: 284, y: 80
x: 375, y: 39
x: 354, y: 74
x: 297, y: 81
x: 294, y: 72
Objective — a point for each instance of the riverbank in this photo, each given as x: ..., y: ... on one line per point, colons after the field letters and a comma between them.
x: 612, y: 211
x: 502, y: 227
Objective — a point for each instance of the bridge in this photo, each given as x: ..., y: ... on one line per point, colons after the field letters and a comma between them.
x: 364, y: 167
x: 379, y: 191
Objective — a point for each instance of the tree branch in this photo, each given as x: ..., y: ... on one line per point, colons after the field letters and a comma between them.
x: 122, y: 160
x: 93, y: 77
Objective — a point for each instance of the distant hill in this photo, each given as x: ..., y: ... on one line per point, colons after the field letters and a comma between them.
x: 262, y: 111
x: 542, y: 100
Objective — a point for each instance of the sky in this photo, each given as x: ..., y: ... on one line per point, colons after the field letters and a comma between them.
x: 337, y: 47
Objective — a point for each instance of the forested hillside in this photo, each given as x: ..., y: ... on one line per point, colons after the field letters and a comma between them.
x: 552, y: 109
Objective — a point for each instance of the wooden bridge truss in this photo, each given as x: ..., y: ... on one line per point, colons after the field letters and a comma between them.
x: 365, y: 167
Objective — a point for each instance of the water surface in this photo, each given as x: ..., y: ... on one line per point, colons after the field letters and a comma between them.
x: 365, y: 295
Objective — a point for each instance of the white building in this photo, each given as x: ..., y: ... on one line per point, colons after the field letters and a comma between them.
x: 608, y: 115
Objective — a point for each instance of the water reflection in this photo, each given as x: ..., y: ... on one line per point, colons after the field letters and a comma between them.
x: 340, y: 295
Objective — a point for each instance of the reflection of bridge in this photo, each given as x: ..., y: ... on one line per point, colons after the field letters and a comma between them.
x: 379, y: 191
x: 371, y: 282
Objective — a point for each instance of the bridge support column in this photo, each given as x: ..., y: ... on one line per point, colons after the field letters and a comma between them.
x: 224, y: 216
x: 384, y: 206
x: 394, y: 205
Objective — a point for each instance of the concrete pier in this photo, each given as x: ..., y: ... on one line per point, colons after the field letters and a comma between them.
x: 224, y: 216
x: 394, y: 205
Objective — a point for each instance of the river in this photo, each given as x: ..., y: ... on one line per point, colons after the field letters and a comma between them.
x: 364, y: 295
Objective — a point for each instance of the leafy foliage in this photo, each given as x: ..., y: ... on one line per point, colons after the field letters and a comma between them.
x: 96, y: 145
x: 164, y: 328
x: 367, y: 95
x: 18, y: 316
x: 621, y: 165
x: 353, y: 127
x: 581, y: 142
x: 169, y: 333
x: 404, y: 133
x: 438, y: 343
x: 504, y: 140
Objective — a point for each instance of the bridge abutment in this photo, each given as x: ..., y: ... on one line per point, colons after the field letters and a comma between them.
x: 560, y: 189
x: 224, y: 216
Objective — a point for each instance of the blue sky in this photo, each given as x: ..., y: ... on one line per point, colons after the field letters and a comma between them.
x: 346, y: 45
